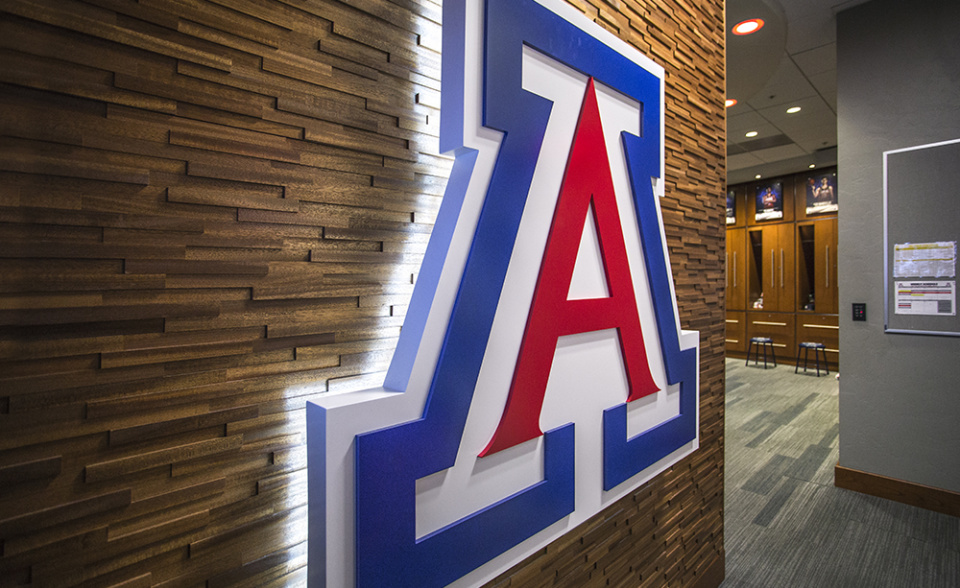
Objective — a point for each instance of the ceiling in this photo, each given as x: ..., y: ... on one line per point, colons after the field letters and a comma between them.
x: 791, y: 61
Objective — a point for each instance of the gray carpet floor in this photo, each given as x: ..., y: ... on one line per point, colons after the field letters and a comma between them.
x: 786, y: 525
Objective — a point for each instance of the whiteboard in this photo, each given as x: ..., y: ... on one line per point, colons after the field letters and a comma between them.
x: 921, y: 204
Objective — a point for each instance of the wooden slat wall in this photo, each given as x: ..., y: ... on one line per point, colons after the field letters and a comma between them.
x: 214, y: 210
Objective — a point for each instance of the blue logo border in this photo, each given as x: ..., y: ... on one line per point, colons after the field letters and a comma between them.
x: 389, y: 461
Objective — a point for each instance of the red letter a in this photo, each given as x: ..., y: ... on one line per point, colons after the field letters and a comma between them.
x: 587, y: 182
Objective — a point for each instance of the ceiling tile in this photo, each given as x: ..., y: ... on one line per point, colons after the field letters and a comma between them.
x: 818, y: 60
x: 742, y: 161
x: 812, y: 109
x: 747, y: 121
x: 763, y: 131
x: 786, y: 85
x: 826, y: 85
x: 778, y: 153
x: 817, y: 137
x: 808, y: 29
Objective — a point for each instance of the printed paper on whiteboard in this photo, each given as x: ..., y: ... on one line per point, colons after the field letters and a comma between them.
x: 925, y: 260
x: 937, y: 298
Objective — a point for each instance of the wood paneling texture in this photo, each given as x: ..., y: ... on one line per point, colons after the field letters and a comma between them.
x: 214, y: 210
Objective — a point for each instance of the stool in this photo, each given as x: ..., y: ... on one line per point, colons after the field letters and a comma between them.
x: 817, y: 348
x: 765, y: 342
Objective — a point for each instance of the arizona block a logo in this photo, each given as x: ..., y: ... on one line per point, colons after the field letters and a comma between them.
x: 541, y: 373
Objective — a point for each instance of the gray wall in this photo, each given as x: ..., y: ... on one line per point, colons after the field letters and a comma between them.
x: 898, y: 86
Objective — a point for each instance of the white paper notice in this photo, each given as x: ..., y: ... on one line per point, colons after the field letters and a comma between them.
x: 935, y: 298
x: 925, y: 260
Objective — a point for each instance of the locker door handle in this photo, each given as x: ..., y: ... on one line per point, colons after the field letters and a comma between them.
x: 781, y: 268
x: 734, y: 269
x: 828, y: 266
x: 773, y: 269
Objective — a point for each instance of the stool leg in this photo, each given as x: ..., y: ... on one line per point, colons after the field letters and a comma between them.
x: 805, y: 356
x: 764, y: 355
x: 816, y: 355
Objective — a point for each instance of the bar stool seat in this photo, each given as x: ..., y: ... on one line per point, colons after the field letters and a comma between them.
x: 765, y: 343
x: 806, y: 346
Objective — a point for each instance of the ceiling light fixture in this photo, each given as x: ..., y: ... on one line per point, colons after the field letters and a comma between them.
x: 752, y: 134
x: 748, y: 27
x: 813, y: 165
x: 793, y: 110
x: 730, y: 102
x: 757, y: 177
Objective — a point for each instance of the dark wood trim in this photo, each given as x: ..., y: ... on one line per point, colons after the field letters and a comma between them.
x: 935, y: 499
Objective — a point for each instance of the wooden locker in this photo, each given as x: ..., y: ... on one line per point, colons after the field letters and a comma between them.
x: 770, y: 268
x: 817, y: 267
x: 736, y: 269
x: 825, y: 279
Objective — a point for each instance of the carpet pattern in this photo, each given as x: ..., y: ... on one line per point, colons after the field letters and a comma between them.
x: 786, y: 525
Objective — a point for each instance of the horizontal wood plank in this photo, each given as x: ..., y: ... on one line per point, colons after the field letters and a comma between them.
x: 97, y: 472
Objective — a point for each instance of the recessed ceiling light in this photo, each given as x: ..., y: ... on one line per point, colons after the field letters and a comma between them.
x: 793, y: 110
x: 757, y: 177
x: 748, y: 26
x: 813, y: 165
x: 752, y: 134
x: 730, y: 102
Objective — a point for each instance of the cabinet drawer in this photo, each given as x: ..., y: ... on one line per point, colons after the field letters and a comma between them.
x: 736, y: 332
x: 778, y: 326
x: 821, y: 328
